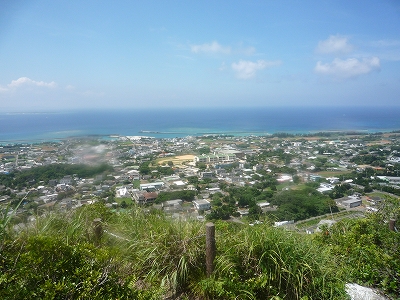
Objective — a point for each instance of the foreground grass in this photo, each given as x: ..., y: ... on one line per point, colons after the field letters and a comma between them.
x: 147, y: 255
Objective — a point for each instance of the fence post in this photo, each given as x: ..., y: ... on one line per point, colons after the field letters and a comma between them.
x: 210, y: 248
x: 98, y: 231
x: 392, y: 224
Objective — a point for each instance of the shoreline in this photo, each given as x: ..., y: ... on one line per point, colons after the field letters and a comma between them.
x: 156, y: 134
x: 179, y: 123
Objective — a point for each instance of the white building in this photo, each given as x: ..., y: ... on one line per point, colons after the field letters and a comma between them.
x: 215, y: 158
x: 202, y: 204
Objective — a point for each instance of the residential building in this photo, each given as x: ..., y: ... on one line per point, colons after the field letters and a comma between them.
x: 202, y: 204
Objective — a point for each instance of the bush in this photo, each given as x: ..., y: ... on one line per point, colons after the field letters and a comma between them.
x: 43, y: 267
x: 367, y: 251
x: 263, y: 262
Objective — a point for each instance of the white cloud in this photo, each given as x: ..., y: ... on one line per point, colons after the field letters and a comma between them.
x: 348, y: 68
x: 335, y: 44
x: 247, y: 69
x: 25, y: 81
x: 213, y: 47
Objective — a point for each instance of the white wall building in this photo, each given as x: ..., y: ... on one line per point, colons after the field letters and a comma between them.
x: 202, y: 204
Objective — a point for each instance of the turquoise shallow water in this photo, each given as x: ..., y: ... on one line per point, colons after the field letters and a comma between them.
x: 167, y: 123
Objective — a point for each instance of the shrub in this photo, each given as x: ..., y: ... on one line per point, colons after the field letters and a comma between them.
x: 263, y: 262
x: 43, y: 267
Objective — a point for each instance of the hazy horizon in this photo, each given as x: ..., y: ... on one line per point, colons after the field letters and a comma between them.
x: 70, y: 55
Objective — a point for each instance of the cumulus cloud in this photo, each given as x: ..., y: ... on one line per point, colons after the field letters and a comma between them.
x: 248, y: 69
x: 25, y: 81
x: 335, y: 44
x: 213, y: 47
x: 348, y: 68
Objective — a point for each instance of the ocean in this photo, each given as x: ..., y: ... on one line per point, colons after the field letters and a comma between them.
x: 168, y: 123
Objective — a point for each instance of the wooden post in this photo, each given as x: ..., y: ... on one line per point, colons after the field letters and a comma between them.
x: 392, y: 224
x: 98, y: 231
x: 210, y: 248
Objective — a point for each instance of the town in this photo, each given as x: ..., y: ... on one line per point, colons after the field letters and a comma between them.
x: 282, y: 178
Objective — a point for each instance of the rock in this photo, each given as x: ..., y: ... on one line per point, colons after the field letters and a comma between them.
x: 358, y: 292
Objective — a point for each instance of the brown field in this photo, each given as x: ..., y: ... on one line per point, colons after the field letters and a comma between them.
x: 177, y: 160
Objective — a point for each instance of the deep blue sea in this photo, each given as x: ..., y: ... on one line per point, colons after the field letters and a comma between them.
x: 166, y: 123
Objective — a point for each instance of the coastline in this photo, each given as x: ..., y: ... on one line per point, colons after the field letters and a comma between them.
x: 109, y: 137
x: 178, y: 123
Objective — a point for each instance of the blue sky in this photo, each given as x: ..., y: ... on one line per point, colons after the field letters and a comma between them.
x: 58, y: 55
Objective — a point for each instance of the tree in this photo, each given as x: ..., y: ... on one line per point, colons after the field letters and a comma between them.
x: 254, y: 212
x: 144, y: 168
x: 296, y: 179
x: 201, y: 166
x: 220, y: 213
x: 204, y: 150
x: 193, y: 180
x: 301, y: 204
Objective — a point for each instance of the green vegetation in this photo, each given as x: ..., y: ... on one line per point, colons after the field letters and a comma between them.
x: 183, y: 195
x: 45, y: 173
x: 144, y: 254
x: 124, y: 201
x: 204, y: 150
x: 367, y: 251
x: 147, y: 255
x: 301, y: 204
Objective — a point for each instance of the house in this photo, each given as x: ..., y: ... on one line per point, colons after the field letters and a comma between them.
x: 67, y: 180
x: 122, y: 192
x: 325, y: 187
x: 172, y: 205
x: 149, y: 197
x: 215, y: 158
x: 263, y: 204
x: 352, y: 203
x: 123, y: 177
x: 214, y: 190
x: 152, y: 186
x: 207, y: 174
x: 139, y: 197
x: 134, y: 174
x: 202, y: 204
x: 172, y: 202
x: 390, y: 179
x: 65, y: 203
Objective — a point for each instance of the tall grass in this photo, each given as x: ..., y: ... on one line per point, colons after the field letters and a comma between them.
x: 163, y: 250
x: 263, y: 262
x: 158, y: 256
x: 5, y: 217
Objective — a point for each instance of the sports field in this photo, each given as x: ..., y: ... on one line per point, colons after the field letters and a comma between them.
x: 177, y: 160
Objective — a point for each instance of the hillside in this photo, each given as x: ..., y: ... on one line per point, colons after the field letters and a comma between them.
x: 145, y: 255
